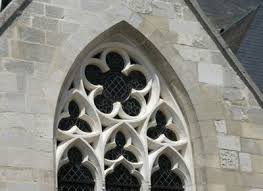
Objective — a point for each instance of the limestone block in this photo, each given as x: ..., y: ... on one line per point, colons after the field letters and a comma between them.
x: 44, y: 23
x: 251, y: 146
x: 14, y: 186
x: 3, y: 47
x: 18, y: 66
x: 32, y: 52
x: 54, y: 12
x: 245, y: 162
x: 8, y: 82
x: 35, y: 8
x: 257, y: 163
x: 30, y: 34
x: 56, y: 39
x: 68, y: 27
x: 252, y: 131
x: 229, y: 142
x: 256, y: 115
x: 95, y: 5
x: 229, y: 159
x: 211, y: 74
x: 238, y: 113
x: 142, y: 6
x: 15, y: 102
x: 220, y: 126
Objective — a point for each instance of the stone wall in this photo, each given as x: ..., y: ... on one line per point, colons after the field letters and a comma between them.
x: 39, y: 48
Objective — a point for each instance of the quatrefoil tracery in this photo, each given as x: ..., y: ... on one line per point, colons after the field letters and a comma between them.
x: 117, y: 82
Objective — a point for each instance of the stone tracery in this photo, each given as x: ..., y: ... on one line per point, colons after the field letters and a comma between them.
x: 122, y: 118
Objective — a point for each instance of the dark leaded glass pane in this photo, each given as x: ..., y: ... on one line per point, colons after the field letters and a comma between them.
x: 115, y: 87
x: 137, y: 80
x: 73, y: 109
x: 93, y: 74
x: 155, y: 132
x: 67, y: 123
x: 73, y: 176
x: 121, y: 180
x: 103, y: 104
x: 119, y: 150
x: 115, y: 61
x: 165, y: 179
x: 132, y: 107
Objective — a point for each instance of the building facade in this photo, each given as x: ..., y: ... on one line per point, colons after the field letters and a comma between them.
x: 124, y: 95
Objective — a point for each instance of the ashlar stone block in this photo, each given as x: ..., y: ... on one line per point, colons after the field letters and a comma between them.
x: 245, y: 162
x: 229, y: 142
x: 220, y: 126
x: 229, y: 159
x: 210, y: 74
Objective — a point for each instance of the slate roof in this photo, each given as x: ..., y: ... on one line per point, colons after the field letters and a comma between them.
x: 243, y: 20
x: 250, y: 52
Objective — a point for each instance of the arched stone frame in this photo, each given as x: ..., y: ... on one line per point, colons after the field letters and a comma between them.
x: 135, y: 37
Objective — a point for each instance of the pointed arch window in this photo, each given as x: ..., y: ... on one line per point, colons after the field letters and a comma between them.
x: 74, y: 176
x: 165, y: 179
x: 118, y: 128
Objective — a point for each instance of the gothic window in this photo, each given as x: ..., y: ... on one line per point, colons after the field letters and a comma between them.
x: 119, y: 128
x: 165, y: 179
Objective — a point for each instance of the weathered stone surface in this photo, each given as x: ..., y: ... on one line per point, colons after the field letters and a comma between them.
x: 210, y: 74
x: 30, y: 34
x: 220, y: 126
x: 40, y: 47
x: 229, y: 159
x: 44, y: 23
x: 245, y: 162
x: 229, y: 142
x: 55, y: 12
x: 32, y: 52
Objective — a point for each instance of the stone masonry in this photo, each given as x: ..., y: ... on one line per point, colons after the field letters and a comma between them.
x: 39, y: 48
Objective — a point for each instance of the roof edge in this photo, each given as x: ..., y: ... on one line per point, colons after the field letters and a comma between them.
x: 13, y: 10
x: 226, y: 50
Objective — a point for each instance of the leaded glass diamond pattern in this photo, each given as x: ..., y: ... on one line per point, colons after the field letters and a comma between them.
x: 121, y: 180
x: 165, y: 179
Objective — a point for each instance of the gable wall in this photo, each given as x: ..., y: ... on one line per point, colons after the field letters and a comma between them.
x: 38, y: 49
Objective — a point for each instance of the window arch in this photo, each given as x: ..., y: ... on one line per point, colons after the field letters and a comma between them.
x: 119, y: 113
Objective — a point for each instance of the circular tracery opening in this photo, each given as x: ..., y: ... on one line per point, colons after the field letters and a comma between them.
x: 117, y: 86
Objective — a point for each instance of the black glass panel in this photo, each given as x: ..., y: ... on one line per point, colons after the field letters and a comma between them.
x: 115, y: 61
x: 103, y: 104
x: 73, y: 176
x: 115, y: 87
x: 165, y: 179
x: 132, y: 107
x: 121, y: 180
x: 93, y: 74
x: 137, y: 80
x: 119, y: 150
x: 159, y: 129
x: 67, y: 123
